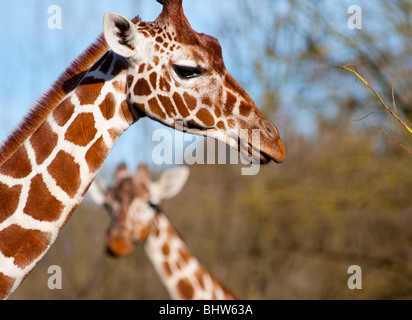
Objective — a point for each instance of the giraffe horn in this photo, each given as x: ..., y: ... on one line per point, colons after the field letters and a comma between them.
x: 142, y: 175
x: 168, y: 2
x: 172, y: 13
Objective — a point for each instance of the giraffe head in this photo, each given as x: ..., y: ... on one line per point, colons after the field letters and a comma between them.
x: 177, y: 76
x: 132, y: 202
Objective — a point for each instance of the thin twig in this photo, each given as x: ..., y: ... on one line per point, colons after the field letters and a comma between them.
x: 392, y: 112
x: 393, y: 89
x: 371, y: 113
x: 394, y: 140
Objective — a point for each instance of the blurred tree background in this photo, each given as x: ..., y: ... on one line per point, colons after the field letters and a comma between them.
x: 343, y: 196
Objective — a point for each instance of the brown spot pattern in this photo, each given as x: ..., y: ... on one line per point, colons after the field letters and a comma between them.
x: 142, y: 88
x: 82, y: 130
x: 191, y: 102
x: 244, y: 109
x: 41, y: 205
x: 107, y: 107
x: 207, y: 101
x: 230, y: 102
x: 96, y: 155
x: 206, y: 117
x: 23, y: 245
x: 130, y: 80
x: 185, y: 289
x: 141, y: 68
x: 9, y: 200
x: 66, y: 172
x: 89, y: 90
x: 185, y: 254
x: 125, y: 112
x: 231, y: 123
x: 43, y: 141
x: 63, y: 112
x: 221, y: 125
x: 164, y: 85
x: 155, y: 108
x: 18, y: 165
x: 166, y: 269
x: 166, y: 249
x: 218, y: 112
x: 181, y: 107
x: 119, y: 86
x: 6, y: 284
x: 178, y: 265
x: 114, y: 134
x: 168, y: 106
x: 153, y: 80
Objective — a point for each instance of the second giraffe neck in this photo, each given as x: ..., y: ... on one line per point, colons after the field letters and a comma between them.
x: 180, y: 271
x: 46, y: 178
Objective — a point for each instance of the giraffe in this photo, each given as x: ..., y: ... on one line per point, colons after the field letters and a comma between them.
x: 133, y: 203
x: 163, y: 70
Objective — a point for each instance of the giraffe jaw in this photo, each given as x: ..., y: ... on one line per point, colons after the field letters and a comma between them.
x: 253, y: 150
x: 262, y: 155
x: 259, y: 149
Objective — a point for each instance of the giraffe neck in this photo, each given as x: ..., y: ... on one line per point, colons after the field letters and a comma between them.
x: 179, y: 270
x: 47, y: 176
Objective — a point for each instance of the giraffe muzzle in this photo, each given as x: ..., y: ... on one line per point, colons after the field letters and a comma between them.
x: 119, y: 243
x: 271, y: 146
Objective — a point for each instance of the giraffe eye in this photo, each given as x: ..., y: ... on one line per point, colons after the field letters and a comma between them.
x: 187, y: 72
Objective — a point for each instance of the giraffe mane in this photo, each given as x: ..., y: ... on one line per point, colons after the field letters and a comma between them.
x: 67, y: 81
x: 49, y: 100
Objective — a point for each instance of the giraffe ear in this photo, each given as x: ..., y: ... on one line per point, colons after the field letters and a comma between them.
x: 169, y: 184
x: 121, y: 35
x: 98, y: 190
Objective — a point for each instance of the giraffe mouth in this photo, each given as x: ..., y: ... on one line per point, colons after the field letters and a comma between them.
x: 263, y: 151
x: 253, y: 154
x: 254, y: 151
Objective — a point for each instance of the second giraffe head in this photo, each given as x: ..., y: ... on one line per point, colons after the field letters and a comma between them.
x: 132, y: 202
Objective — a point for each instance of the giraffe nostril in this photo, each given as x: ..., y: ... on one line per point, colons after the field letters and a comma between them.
x: 270, y: 128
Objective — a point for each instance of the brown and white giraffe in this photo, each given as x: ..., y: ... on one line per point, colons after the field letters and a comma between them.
x: 133, y: 203
x: 163, y: 70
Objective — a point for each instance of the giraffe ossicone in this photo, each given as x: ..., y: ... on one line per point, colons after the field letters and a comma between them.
x: 133, y: 204
x: 163, y: 70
